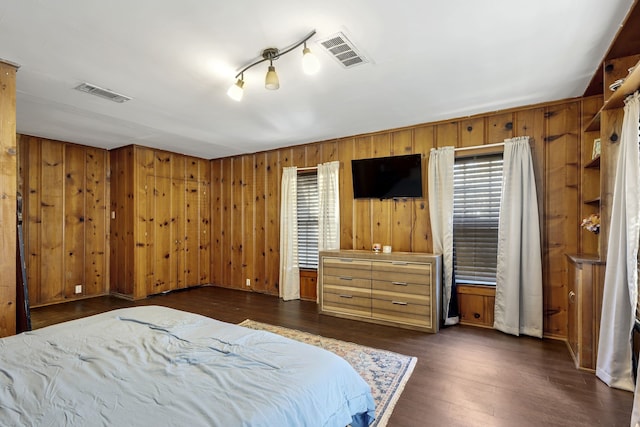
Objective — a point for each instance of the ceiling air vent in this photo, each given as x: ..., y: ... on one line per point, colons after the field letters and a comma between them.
x: 343, y: 50
x: 102, y: 93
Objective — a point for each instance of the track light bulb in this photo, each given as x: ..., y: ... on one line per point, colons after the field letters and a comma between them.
x: 236, y: 90
x: 271, y: 80
x: 310, y: 63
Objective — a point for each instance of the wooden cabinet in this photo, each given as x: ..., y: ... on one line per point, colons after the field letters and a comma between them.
x: 476, y: 305
x: 400, y: 289
x: 586, y: 281
x: 308, y: 285
x: 160, y: 221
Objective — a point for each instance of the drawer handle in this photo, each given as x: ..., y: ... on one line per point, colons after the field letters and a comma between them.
x: 346, y: 278
x: 400, y: 283
x: 346, y: 296
x: 346, y: 260
x: 399, y: 263
x: 476, y: 315
x: 399, y: 303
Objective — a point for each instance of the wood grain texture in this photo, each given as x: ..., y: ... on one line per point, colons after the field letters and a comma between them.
x: 8, y: 191
x: 65, y: 220
x: 555, y: 142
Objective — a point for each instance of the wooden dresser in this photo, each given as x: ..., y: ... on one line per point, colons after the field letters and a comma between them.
x: 399, y: 289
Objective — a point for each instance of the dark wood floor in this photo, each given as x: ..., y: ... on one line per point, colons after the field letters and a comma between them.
x: 465, y: 376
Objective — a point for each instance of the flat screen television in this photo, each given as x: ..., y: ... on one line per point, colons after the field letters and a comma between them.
x: 387, y: 177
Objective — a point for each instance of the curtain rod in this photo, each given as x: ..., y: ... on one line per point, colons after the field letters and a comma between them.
x: 497, y: 144
x: 308, y: 168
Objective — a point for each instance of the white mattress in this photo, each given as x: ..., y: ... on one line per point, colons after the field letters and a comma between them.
x: 155, y: 366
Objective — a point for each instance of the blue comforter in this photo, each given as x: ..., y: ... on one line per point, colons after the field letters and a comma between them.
x: 155, y: 366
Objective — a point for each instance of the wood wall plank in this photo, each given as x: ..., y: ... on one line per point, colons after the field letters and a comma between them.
x: 8, y: 192
x: 74, y: 219
x: 272, y: 223
x: 96, y: 222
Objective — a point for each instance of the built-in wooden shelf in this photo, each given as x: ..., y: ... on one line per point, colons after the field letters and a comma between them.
x: 594, y: 201
x: 594, y: 163
x: 630, y: 85
x: 616, y: 100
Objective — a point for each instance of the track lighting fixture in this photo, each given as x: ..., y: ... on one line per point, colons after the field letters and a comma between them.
x: 310, y: 65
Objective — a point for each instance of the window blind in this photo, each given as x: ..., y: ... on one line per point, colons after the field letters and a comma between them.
x: 476, y: 210
x: 308, y: 220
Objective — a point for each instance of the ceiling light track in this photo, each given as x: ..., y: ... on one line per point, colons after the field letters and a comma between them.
x: 310, y: 66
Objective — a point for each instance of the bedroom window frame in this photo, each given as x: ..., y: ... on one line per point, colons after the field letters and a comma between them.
x: 477, y: 198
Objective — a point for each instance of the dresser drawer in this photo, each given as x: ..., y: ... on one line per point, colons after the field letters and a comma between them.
x: 399, y: 287
x: 346, y: 267
x: 401, y: 272
x: 401, y: 311
x: 352, y: 282
x: 401, y: 298
x: 347, y: 302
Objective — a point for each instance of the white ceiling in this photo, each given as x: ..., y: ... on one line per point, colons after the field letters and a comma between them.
x: 430, y: 60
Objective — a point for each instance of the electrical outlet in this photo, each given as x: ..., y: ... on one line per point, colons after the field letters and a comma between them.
x: 113, y: 214
x: 248, y: 283
x: 78, y: 289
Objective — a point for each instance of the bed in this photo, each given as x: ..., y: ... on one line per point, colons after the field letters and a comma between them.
x: 156, y: 366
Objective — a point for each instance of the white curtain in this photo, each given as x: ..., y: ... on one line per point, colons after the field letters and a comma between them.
x: 441, y: 163
x: 289, y: 270
x: 621, y: 274
x: 329, y: 206
x: 518, y: 301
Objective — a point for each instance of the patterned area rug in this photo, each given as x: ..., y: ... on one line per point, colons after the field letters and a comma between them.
x: 386, y: 372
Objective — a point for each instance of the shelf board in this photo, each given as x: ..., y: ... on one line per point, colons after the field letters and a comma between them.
x: 594, y: 124
x: 593, y: 164
x: 594, y: 201
x: 630, y: 85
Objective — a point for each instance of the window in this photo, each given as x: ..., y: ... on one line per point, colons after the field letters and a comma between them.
x: 477, y: 192
x: 308, y: 220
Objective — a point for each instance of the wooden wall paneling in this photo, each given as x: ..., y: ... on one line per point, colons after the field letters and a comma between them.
x: 159, y: 203
x: 362, y: 208
x: 117, y: 259
x: 8, y: 184
x: 447, y: 134
x: 237, y: 224
x: 562, y: 210
x: 423, y: 142
x: 145, y: 218
x: 192, y: 221
x: 249, y: 257
x: 299, y: 156
x: 329, y: 151
x: 272, y: 223
x: 472, y: 132
x: 32, y: 216
x: 381, y: 225
x: 178, y: 221
x: 499, y: 127
x: 74, y: 220
x: 52, y: 203
x: 258, y: 281
x: 96, y: 221
x: 157, y: 174
x: 403, y: 212
x: 611, y: 127
x: 217, y: 220
x: 226, y: 232
x: 313, y: 155
x: 204, y: 243
x: 345, y: 155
